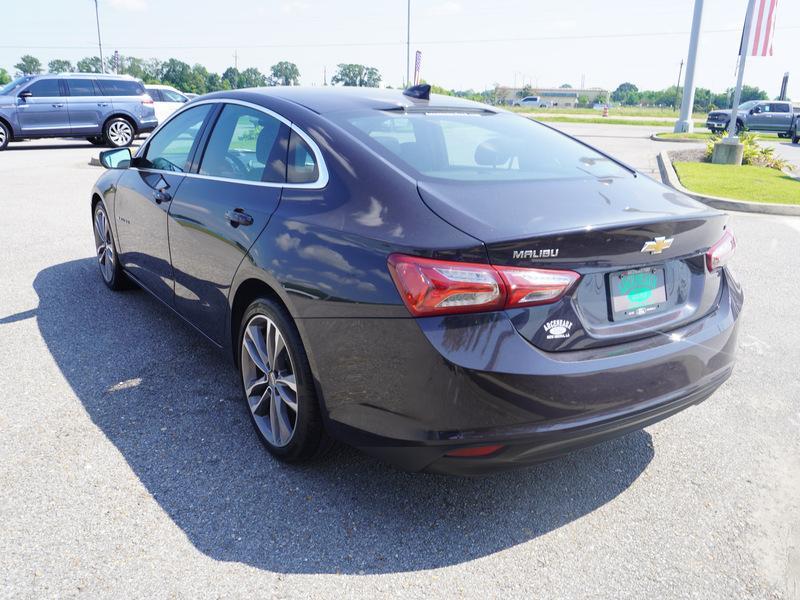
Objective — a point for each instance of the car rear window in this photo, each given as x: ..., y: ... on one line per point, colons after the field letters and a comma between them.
x: 117, y: 87
x: 478, y: 146
x: 80, y: 87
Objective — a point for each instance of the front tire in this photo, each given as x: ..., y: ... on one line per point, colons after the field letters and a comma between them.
x: 106, y: 250
x: 5, y: 136
x: 277, y: 384
x: 97, y: 140
x: 118, y: 132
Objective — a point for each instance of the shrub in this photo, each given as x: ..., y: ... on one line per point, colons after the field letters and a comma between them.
x: 754, y: 153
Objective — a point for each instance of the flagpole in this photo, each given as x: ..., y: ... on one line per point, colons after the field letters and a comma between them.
x: 685, y: 124
x: 737, y: 93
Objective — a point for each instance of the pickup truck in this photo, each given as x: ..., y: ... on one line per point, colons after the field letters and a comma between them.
x: 760, y: 115
x: 532, y: 101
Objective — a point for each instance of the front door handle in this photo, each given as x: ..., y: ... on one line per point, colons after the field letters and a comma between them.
x: 102, y: 104
x: 58, y: 106
x: 237, y: 217
x: 161, y: 196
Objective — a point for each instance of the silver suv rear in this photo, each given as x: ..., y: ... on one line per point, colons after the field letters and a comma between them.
x: 104, y: 109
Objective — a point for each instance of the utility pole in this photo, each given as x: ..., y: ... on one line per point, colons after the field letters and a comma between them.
x: 678, y: 87
x: 99, y: 40
x: 236, y: 59
x: 408, y: 45
x: 685, y: 123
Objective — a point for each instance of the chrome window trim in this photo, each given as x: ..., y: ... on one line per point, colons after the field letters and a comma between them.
x: 320, y: 183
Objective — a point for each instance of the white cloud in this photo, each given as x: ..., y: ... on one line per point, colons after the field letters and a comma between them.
x: 132, y: 5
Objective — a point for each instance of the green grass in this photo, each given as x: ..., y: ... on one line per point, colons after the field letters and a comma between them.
x: 702, y: 135
x: 754, y: 184
x: 621, y: 111
x: 607, y: 121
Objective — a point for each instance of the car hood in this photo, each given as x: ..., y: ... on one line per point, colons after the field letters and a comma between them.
x: 726, y: 111
x: 494, y: 212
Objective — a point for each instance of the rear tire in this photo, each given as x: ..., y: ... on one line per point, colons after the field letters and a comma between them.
x: 277, y: 384
x: 118, y: 132
x: 5, y: 136
x: 796, y: 139
x: 97, y: 140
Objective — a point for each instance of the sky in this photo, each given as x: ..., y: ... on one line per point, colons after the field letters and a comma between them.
x: 464, y: 43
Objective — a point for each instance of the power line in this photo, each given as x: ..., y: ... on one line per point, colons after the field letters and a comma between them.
x: 403, y: 42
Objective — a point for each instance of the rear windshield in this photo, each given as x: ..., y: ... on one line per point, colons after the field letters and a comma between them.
x: 477, y: 146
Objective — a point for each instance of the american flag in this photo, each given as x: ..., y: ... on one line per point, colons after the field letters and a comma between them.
x: 762, y: 29
x: 417, y: 64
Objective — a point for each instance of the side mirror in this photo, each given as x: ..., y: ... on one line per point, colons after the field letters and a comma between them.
x: 755, y: 110
x: 116, y: 158
x: 25, y: 95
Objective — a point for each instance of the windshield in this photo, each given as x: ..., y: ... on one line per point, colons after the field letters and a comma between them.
x: 477, y: 146
x: 10, y: 88
x: 748, y: 105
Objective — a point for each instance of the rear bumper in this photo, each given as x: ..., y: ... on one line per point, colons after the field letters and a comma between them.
x: 410, y: 391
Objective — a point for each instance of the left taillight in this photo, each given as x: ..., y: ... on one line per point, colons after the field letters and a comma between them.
x: 146, y: 99
x: 435, y: 287
x: 721, y: 253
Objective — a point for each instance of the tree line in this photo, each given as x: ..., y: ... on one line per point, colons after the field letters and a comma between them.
x: 705, y: 100
x: 193, y: 78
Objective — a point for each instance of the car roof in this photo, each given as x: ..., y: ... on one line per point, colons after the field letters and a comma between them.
x: 334, y: 98
x: 90, y: 76
x: 158, y: 86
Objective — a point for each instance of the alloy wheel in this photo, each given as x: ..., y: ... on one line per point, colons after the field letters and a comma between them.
x: 105, y: 247
x: 120, y: 133
x: 2, y: 136
x: 269, y: 380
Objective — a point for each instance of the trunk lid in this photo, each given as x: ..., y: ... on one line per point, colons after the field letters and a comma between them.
x: 599, y: 228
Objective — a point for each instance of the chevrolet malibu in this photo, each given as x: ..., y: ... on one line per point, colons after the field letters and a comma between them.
x: 442, y: 284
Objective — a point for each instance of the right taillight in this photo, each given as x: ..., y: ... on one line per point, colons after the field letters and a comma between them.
x: 435, y: 287
x: 146, y: 99
x: 720, y: 253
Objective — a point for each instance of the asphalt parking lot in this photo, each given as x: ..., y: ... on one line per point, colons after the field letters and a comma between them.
x: 129, y: 467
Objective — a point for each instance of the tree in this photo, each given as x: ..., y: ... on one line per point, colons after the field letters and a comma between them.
x: 89, y: 64
x: 58, y: 65
x: 626, y: 93
x: 356, y: 75
x: 583, y: 100
x: 4, y: 77
x: 28, y: 65
x: 526, y: 90
x: 750, y: 92
x: 176, y: 73
x: 284, y: 73
x: 231, y: 77
x: 252, y: 77
x: 565, y: 86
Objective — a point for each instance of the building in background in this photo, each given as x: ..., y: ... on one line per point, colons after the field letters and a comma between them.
x: 554, y: 97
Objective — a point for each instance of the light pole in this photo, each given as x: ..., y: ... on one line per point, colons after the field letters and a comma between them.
x: 99, y: 40
x: 408, y: 45
x: 684, y: 123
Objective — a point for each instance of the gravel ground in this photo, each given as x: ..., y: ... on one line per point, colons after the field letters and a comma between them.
x: 129, y: 468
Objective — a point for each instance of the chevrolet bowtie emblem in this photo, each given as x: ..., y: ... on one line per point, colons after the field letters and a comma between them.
x: 658, y: 245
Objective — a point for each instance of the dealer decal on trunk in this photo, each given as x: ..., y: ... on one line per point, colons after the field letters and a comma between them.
x: 557, y: 329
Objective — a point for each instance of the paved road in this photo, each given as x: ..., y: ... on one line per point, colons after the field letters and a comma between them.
x: 129, y: 467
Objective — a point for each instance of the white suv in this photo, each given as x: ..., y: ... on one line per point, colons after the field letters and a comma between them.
x: 167, y: 100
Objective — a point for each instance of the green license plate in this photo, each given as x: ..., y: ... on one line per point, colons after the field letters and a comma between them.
x: 637, y: 293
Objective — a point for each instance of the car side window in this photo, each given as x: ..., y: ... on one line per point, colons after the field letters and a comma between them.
x: 45, y: 88
x: 170, y: 148
x: 80, y: 87
x: 302, y: 166
x: 155, y: 95
x: 248, y: 145
x: 782, y: 108
x: 120, y: 87
x: 170, y: 96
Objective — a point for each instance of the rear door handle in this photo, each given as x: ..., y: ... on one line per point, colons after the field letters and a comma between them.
x: 237, y: 217
x: 58, y: 106
x: 161, y: 196
x: 102, y: 104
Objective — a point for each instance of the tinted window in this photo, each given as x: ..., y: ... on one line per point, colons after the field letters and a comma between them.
x: 301, y: 165
x: 170, y: 148
x: 80, y: 87
x: 246, y: 144
x: 171, y: 96
x: 784, y: 108
x: 155, y: 94
x: 45, y: 88
x: 478, y: 146
x: 120, y: 87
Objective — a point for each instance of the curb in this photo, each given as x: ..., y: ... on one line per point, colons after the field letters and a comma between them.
x: 670, y: 177
x: 655, y: 138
